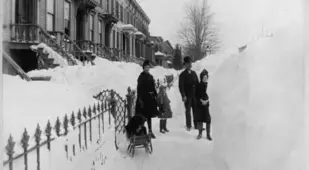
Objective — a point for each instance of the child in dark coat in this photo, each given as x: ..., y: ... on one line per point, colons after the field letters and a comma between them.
x: 136, y: 127
x: 202, y: 115
x: 164, y: 108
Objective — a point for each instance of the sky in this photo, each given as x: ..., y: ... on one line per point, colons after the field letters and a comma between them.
x: 239, y: 21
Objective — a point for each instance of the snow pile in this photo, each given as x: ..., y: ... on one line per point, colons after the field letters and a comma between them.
x: 104, y: 74
x: 71, y: 88
x: 58, y: 59
x: 27, y: 103
x: 257, y: 105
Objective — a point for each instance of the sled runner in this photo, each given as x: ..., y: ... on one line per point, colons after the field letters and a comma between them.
x: 140, y: 142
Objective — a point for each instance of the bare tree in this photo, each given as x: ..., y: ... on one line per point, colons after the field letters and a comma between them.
x: 197, y: 32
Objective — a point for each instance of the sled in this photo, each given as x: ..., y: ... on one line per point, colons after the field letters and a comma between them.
x: 140, y: 142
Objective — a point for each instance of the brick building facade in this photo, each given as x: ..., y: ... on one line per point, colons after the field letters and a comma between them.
x: 117, y: 26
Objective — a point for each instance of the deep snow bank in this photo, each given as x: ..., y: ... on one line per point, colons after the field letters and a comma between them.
x: 104, y: 74
x: 257, y: 105
x: 71, y: 88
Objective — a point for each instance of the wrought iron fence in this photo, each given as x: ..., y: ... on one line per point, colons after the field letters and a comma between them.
x: 89, y: 123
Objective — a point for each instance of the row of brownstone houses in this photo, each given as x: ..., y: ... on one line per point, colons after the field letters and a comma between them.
x: 80, y: 30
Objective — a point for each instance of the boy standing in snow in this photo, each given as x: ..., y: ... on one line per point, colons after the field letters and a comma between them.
x: 164, y: 108
x: 188, y: 81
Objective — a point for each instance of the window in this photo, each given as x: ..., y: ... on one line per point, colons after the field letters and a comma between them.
x: 114, y: 39
x: 50, y: 20
x: 117, y: 9
x: 100, y: 32
x: 112, y: 7
x: 91, y: 31
x: 107, y: 6
x: 67, y: 12
x: 121, y: 13
x: 118, y: 40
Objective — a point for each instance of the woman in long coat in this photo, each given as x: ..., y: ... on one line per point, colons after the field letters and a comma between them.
x: 202, y: 115
x: 146, y: 102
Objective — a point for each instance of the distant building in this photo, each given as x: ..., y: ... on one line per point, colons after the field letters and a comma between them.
x: 163, y: 51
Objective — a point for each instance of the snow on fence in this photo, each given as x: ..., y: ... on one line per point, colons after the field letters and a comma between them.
x: 59, y: 145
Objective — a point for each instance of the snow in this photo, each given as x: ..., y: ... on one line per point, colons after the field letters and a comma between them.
x: 58, y: 59
x: 139, y: 33
x: 257, y: 105
x: 159, y: 53
x: 71, y: 88
x: 128, y: 26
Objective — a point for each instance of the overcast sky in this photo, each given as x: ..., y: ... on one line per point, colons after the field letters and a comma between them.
x: 240, y: 21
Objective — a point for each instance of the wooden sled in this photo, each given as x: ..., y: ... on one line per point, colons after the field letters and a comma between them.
x: 140, y: 142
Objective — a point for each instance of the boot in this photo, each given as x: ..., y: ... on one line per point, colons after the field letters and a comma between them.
x: 199, y: 126
x: 151, y: 134
x: 164, y: 125
x: 195, y: 125
x: 208, y: 131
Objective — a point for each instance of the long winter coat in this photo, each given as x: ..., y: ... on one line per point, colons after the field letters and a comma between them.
x: 146, y: 102
x: 164, y: 107
x: 202, y: 114
x: 188, y: 81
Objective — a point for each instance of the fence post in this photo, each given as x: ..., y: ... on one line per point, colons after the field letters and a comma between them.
x: 79, y: 117
x: 10, y: 151
x: 113, y: 103
x: 129, y: 103
x: 57, y: 127
x: 48, y: 130
x: 90, y: 122
x: 66, y: 124
x: 72, y: 120
x: 102, y: 110
x: 37, y: 136
x: 85, y: 126
x: 25, y: 144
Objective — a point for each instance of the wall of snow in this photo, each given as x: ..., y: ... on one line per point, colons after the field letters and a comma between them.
x: 257, y: 105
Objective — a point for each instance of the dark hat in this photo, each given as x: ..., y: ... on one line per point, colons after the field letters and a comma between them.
x: 203, y: 73
x: 187, y: 59
x: 146, y: 63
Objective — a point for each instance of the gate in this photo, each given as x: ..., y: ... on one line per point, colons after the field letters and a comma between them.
x: 120, y: 108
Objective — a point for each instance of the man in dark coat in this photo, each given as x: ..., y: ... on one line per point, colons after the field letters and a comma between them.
x: 146, y: 102
x: 188, y: 81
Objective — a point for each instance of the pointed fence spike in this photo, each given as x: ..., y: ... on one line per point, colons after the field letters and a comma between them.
x: 25, y: 139
x: 85, y: 113
x: 10, y: 146
x: 79, y: 116
x: 89, y: 111
x: 57, y: 126
x: 72, y: 120
x: 94, y: 109
x: 38, y: 133
x: 66, y: 124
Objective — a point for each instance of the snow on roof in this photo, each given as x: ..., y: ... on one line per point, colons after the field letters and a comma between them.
x: 169, y: 62
x: 139, y: 33
x: 128, y: 26
x: 159, y: 53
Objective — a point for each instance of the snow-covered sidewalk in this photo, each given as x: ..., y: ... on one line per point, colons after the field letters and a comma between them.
x: 176, y: 150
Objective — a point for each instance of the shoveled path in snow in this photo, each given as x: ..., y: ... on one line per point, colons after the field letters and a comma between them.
x: 176, y: 150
